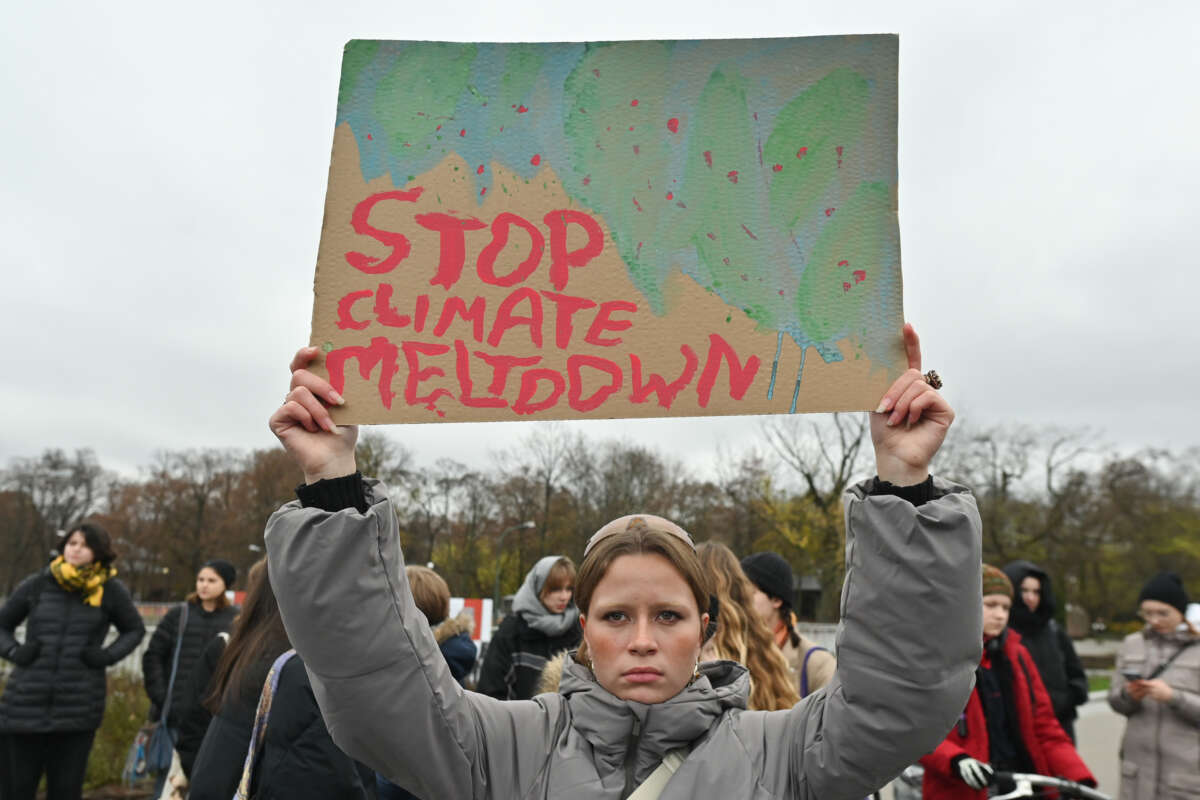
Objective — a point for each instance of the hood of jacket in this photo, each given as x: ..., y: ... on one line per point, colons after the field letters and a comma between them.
x: 453, y: 626
x: 1022, y: 618
x: 614, y: 726
x: 528, y: 603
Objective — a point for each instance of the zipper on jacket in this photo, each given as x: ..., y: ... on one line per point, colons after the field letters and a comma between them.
x: 635, y: 739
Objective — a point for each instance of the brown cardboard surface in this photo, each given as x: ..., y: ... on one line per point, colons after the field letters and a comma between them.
x: 594, y: 341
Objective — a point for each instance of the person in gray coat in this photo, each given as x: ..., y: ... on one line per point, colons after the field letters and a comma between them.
x: 1156, y: 686
x: 636, y: 711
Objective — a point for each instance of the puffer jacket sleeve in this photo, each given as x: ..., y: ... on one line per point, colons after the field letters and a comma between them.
x: 1119, y: 699
x: 910, y: 638
x: 125, y: 617
x: 156, y: 661
x: 14, y: 612
x: 1077, y: 681
x: 384, y: 689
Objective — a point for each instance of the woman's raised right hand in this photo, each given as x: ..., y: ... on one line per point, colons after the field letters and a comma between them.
x: 305, y: 428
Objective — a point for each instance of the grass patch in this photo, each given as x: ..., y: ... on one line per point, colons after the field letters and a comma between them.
x: 1099, y: 683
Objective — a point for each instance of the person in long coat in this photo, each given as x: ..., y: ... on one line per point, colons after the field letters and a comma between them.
x: 54, y: 699
x: 1034, y: 606
x: 635, y: 707
x: 1156, y: 687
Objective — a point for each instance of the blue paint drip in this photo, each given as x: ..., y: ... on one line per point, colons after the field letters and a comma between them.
x: 799, y: 375
x: 775, y: 366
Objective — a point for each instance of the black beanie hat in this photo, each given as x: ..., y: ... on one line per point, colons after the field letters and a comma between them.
x: 227, y: 571
x: 771, y: 574
x: 1166, y: 587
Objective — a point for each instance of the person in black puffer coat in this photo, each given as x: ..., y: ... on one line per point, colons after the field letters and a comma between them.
x: 298, y: 760
x: 54, y: 700
x: 543, y: 623
x: 1033, y: 617
x: 209, y: 613
x: 431, y: 593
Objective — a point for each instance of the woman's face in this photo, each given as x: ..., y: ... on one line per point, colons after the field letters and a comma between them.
x: 995, y: 614
x: 209, y: 585
x: 766, y: 607
x: 1031, y: 592
x: 76, y: 551
x: 643, y: 629
x: 557, y: 598
x: 1162, y: 617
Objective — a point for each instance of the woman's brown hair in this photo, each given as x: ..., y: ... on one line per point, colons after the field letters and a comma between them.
x: 430, y: 592
x: 561, y: 575
x: 258, y: 637
x: 638, y: 538
x: 741, y: 636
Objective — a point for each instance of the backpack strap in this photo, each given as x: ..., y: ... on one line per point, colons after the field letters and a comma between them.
x: 1161, y: 668
x: 258, y: 733
x: 804, y: 669
x: 183, y: 615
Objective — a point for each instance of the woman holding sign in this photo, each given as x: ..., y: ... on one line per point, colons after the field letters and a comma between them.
x: 635, y: 708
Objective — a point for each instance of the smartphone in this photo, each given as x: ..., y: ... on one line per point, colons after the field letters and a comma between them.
x: 1131, y: 676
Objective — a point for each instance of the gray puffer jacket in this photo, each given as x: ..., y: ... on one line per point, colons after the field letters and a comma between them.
x: 1160, y: 752
x: 908, y: 646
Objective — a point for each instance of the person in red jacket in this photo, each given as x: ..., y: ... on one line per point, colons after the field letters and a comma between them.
x: 1009, y: 723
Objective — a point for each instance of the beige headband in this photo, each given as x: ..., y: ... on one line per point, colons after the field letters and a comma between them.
x: 633, y: 522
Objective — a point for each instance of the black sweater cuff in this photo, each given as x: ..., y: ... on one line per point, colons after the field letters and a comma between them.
x: 335, y: 494
x: 918, y: 494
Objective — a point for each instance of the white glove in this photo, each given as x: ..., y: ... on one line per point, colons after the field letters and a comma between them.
x: 975, y: 774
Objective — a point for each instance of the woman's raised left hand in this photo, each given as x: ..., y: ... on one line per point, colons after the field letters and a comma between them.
x: 910, y: 423
x: 304, y: 428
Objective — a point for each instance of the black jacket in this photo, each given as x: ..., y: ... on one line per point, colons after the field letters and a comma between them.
x: 512, y: 666
x: 298, y: 760
x: 193, y: 723
x: 1051, y: 647
x: 58, y: 691
x: 202, y: 626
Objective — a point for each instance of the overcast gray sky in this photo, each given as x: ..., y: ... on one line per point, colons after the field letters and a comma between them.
x: 164, y: 174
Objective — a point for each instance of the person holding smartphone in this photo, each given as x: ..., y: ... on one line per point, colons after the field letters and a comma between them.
x: 1155, y: 688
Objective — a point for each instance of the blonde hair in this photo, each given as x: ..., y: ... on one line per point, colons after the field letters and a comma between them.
x: 638, y: 538
x: 741, y: 636
x: 430, y: 592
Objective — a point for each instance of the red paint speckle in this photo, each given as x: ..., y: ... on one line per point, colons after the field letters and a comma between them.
x: 483, y: 191
x: 438, y: 128
x: 502, y: 129
x: 732, y: 176
x: 633, y: 103
x: 843, y: 263
x: 463, y: 132
x: 596, y: 72
x: 630, y: 127
x: 845, y: 287
x: 860, y: 275
x: 673, y: 124
x: 369, y: 137
x: 803, y: 151
x: 587, y: 179
x: 781, y: 292
x: 670, y: 195
x: 748, y: 232
x: 636, y: 204
x: 537, y: 159
x: 829, y: 212
x: 521, y: 109
x: 708, y: 158
x: 726, y: 260
x: 636, y: 149
x: 479, y: 171
x: 712, y: 236
x: 778, y: 168
x: 839, y: 152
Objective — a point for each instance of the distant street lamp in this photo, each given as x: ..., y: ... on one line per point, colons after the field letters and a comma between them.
x: 526, y: 525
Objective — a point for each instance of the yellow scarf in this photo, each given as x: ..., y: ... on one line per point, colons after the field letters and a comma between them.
x: 88, y: 579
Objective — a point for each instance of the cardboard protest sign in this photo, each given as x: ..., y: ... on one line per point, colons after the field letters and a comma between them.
x: 627, y: 229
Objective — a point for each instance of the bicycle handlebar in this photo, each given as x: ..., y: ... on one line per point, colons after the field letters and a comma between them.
x: 1025, y: 783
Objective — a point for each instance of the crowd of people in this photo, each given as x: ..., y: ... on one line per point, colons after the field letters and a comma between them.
x: 655, y: 668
